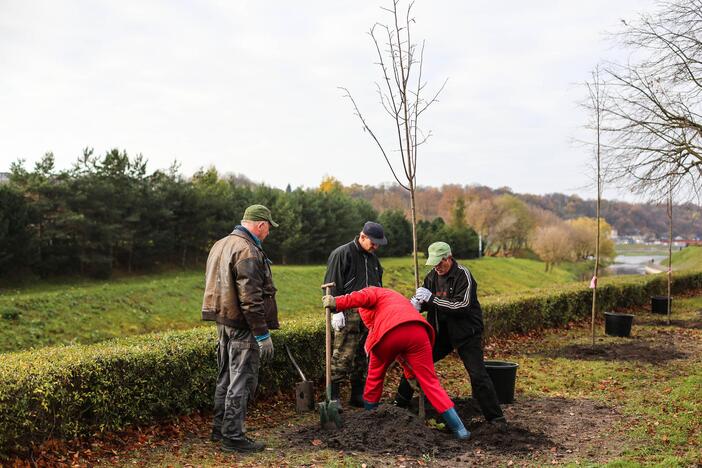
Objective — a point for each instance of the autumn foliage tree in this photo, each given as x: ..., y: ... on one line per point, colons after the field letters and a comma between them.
x: 584, y: 233
x: 553, y: 244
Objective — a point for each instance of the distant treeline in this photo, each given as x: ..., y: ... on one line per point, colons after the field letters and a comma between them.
x: 628, y: 219
x: 108, y: 212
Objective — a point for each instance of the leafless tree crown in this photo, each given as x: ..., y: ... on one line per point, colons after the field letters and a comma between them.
x: 653, y: 115
x: 401, y: 91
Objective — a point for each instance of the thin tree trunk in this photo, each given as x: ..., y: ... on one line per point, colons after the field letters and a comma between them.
x: 597, y: 270
x: 596, y: 100
x: 413, y: 211
x: 670, y: 247
x: 597, y: 237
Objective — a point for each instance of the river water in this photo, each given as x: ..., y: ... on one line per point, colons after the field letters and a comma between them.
x: 633, y: 264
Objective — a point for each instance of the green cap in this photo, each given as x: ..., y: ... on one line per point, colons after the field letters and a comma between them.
x: 258, y: 213
x: 437, y: 252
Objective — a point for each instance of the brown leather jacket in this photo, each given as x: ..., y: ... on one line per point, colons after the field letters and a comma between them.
x: 239, y: 289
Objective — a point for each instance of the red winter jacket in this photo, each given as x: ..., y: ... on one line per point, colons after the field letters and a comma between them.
x: 382, y: 309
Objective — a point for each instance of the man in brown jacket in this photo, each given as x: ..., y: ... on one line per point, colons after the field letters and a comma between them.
x: 240, y: 298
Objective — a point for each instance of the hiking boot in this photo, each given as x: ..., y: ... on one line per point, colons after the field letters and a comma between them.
x: 356, y: 398
x: 244, y: 445
x: 216, y: 435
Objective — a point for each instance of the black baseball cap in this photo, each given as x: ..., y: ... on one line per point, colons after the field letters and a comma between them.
x: 375, y: 233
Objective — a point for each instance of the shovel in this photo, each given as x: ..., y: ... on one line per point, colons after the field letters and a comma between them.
x: 329, y: 409
x: 304, y: 392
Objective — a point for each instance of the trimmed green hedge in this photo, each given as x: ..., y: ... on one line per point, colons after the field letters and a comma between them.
x: 69, y: 391
x: 555, y: 307
x: 78, y: 390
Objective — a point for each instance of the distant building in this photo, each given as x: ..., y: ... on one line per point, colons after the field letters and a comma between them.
x: 4, y: 177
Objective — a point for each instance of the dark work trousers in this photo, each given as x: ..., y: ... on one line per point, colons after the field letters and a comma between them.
x: 238, y: 361
x: 349, y: 358
x: 471, y: 353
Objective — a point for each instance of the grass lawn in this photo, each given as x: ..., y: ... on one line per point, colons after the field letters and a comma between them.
x: 631, y: 402
x: 687, y: 258
x: 84, y: 311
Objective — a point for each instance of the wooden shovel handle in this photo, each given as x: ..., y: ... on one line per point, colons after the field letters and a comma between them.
x: 328, y: 353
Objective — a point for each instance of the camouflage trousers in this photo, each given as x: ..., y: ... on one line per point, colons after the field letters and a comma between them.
x: 349, y: 359
x: 238, y: 361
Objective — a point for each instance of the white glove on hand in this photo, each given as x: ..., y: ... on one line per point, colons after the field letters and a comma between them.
x: 338, y: 321
x: 416, y: 304
x: 265, y: 345
x: 423, y: 294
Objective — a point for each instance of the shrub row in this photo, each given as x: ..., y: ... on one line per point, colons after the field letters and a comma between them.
x: 77, y: 390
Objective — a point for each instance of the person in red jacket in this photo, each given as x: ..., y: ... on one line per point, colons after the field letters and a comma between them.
x: 396, y: 331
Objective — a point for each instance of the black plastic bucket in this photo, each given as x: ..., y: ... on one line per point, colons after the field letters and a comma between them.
x: 659, y: 304
x: 618, y: 324
x: 503, y: 375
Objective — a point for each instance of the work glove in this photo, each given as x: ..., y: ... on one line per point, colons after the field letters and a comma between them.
x: 423, y: 294
x: 265, y: 344
x: 416, y: 304
x: 329, y: 301
x: 338, y: 321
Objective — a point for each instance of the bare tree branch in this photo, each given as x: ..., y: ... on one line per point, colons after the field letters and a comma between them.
x: 400, y: 95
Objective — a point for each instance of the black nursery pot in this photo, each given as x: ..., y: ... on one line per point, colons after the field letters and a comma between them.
x: 504, y: 376
x: 659, y: 304
x: 618, y: 324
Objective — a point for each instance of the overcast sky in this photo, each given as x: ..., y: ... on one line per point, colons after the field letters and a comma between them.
x: 250, y: 87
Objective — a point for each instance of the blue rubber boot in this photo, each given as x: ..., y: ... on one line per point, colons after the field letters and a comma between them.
x: 369, y: 406
x: 455, y: 424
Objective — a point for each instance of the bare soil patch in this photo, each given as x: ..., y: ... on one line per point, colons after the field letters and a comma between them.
x: 541, y: 429
x: 635, y: 349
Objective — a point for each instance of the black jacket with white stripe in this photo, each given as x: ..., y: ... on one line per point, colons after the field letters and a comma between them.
x: 453, y: 307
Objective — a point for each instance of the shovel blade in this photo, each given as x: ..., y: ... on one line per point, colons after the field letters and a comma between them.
x: 304, y: 396
x: 329, y: 416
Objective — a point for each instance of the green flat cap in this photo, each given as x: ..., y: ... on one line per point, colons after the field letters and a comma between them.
x: 437, y: 252
x: 259, y: 213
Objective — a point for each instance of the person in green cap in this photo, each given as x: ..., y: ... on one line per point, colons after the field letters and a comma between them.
x: 240, y: 299
x: 450, y: 296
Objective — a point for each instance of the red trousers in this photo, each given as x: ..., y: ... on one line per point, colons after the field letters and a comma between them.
x: 410, y: 343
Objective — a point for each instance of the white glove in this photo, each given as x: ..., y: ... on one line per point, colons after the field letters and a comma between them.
x: 416, y: 304
x: 338, y: 321
x: 423, y: 294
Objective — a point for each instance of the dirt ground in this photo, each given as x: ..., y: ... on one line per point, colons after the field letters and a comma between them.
x: 543, y: 430
x: 657, y: 347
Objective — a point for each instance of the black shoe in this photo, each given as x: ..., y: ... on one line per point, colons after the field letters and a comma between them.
x: 499, y: 423
x: 400, y: 401
x: 244, y: 445
x: 335, y: 395
x: 356, y: 398
x: 216, y: 435
x: 335, y: 390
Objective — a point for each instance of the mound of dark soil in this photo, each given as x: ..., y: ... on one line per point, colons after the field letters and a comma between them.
x: 551, y: 427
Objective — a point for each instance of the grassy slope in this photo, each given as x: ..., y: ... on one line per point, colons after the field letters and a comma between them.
x: 687, y: 258
x: 91, y: 311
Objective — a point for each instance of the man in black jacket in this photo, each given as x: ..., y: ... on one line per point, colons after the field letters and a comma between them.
x: 352, y: 267
x: 450, y: 296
